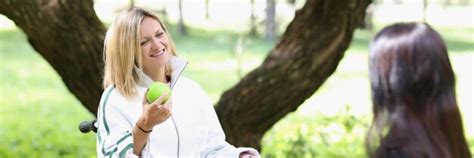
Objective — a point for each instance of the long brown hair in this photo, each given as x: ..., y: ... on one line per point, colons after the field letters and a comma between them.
x: 414, y: 103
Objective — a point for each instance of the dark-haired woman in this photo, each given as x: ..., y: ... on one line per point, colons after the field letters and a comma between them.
x: 414, y: 103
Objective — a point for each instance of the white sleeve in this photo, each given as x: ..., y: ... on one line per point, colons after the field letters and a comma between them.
x: 114, y: 132
x: 215, y: 144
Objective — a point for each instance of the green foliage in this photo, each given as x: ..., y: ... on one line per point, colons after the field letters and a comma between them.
x: 471, y: 144
x: 325, y: 136
x: 39, y: 116
x: 45, y: 132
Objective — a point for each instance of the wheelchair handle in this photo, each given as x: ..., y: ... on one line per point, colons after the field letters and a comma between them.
x: 87, y: 126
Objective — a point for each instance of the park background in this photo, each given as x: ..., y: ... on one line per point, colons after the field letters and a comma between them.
x: 39, y: 117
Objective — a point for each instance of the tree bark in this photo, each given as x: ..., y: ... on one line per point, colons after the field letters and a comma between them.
x: 425, y: 8
x: 69, y: 35
x: 207, y: 9
x: 307, y: 54
x: 132, y: 3
x: 398, y: 1
x: 181, y: 26
x: 446, y: 3
x: 253, y: 20
x: 270, y: 23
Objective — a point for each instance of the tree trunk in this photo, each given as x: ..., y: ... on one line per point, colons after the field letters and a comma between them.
x: 368, y: 23
x: 253, y: 20
x: 270, y: 23
x: 303, y: 59
x: 397, y: 1
x: 446, y: 3
x: 132, y: 3
x: 69, y: 35
x: 207, y: 10
x: 181, y: 26
x: 465, y: 2
x: 425, y: 8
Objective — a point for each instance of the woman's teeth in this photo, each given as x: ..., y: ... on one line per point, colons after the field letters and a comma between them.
x: 159, y: 53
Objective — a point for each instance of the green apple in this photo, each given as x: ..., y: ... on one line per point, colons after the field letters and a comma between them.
x: 155, y: 90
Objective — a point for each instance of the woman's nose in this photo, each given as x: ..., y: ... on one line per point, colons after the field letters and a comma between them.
x: 155, y: 44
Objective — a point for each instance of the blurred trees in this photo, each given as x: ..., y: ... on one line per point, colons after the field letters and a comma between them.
x: 270, y: 23
x: 181, y: 26
x: 207, y: 9
x: 306, y: 55
x: 253, y: 20
x: 69, y: 35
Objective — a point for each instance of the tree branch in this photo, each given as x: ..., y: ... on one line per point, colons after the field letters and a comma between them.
x: 69, y: 36
x: 307, y: 54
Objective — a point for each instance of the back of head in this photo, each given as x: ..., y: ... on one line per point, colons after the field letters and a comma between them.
x: 413, y: 95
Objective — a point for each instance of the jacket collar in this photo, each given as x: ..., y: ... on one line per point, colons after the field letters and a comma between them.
x: 177, y: 66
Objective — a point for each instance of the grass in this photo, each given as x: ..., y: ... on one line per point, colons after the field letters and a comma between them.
x: 39, y: 116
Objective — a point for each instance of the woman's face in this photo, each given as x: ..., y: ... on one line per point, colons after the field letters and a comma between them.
x: 154, y: 46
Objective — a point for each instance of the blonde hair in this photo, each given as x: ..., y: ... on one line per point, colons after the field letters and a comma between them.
x: 122, y: 50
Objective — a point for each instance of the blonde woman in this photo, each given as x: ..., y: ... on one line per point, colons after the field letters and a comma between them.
x: 139, y: 51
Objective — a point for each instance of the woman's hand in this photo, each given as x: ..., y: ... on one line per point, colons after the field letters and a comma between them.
x: 154, y: 113
x: 248, y: 154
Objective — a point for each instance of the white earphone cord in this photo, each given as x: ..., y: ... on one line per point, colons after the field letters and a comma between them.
x: 177, y: 134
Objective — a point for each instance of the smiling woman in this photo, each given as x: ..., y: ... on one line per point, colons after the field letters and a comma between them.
x: 154, y: 43
x: 139, y: 52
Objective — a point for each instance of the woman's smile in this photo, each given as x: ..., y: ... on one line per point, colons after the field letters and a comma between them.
x: 158, y: 54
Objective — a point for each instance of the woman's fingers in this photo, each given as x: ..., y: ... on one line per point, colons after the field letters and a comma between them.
x: 164, y: 113
x: 157, y: 112
x: 168, y: 104
x: 160, y: 100
x: 144, y: 102
x: 166, y: 107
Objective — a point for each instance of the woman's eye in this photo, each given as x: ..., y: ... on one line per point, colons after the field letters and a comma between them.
x: 159, y: 34
x: 143, y: 43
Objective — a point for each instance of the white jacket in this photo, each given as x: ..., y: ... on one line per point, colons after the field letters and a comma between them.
x: 192, y: 131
